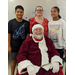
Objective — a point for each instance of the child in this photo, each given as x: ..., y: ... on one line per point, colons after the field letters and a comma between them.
x: 18, y: 31
x: 57, y: 31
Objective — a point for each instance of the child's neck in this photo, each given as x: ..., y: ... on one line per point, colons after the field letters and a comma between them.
x: 55, y: 18
x: 19, y: 20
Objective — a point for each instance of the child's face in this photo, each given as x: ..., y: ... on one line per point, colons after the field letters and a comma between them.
x: 19, y: 13
x: 54, y: 13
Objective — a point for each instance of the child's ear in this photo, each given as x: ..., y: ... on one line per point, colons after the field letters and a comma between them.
x: 15, y: 12
x: 58, y: 13
x: 23, y: 12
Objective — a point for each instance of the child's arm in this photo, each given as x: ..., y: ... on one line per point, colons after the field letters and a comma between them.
x: 28, y: 35
x: 28, y: 30
x: 9, y: 36
x: 64, y: 34
x: 9, y: 40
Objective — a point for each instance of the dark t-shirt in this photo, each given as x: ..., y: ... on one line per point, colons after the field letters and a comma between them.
x: 18, y: 31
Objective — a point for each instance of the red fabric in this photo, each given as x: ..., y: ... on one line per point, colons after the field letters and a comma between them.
x: 18, y: 73
x: 29, y: 50
x: 22, y: 71
x: 44, y: 24
x: 61, y: 72
x: 34, y: 24
x: 43, y: 72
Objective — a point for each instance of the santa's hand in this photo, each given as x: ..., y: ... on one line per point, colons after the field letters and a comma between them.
x: 31, y: 70
x: 55, y: 67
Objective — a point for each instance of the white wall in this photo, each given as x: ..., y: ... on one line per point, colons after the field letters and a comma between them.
x: 30, y: 5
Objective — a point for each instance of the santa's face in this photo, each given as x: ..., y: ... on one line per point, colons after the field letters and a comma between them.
x: 38, y: 33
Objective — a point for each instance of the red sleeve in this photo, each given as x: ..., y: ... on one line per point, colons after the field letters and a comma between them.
x: 23, y: 52
x: 30, y: 24
x: 31, y: 20
x: 53, y: 50
x: 47, y: 20
x: 54, y: 55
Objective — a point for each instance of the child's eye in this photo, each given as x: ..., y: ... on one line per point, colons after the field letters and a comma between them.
x: 17, y: 11
x: 20, y: 12
x: 54, y: 11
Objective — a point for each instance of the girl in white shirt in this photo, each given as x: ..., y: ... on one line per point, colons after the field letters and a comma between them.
x: 57, y: 31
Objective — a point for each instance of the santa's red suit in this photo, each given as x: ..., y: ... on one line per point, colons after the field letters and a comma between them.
x: 39, y: 54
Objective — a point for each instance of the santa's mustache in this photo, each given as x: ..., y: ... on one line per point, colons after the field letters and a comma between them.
x: 38, y: 33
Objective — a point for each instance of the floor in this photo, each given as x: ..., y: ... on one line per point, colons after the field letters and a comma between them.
x: 9, y: 68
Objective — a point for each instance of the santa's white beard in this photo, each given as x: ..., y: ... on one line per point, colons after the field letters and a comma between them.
x: 38, y: 36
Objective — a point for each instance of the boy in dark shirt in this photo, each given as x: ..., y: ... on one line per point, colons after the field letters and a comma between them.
x: 18, y: 31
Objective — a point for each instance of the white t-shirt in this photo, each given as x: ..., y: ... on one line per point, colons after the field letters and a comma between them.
x: 57, y: 32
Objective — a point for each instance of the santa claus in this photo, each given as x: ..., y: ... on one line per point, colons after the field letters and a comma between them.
x: 37, y: 55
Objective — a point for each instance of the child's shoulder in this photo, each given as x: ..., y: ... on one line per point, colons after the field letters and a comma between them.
x: 25, y: 21
x: 12, y: 20
x: 50, y: 21
x: 61, y: 20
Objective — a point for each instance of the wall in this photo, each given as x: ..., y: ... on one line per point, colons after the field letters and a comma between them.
x: 30, y: 5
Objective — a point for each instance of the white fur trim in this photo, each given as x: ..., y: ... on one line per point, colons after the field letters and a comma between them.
x: 22, y: 65
x: 43, y: 48
x: 36, y: 68
x: 30, y: 34
x: 36, y: 26
x: 56, y: 59
x: 47, y: 66
x: 34, y: 39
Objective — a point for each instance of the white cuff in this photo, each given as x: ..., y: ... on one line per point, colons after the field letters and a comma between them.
x: 56, y: 59
x: 30, y: 34
x: 22, y: 65
x: 64, y: 47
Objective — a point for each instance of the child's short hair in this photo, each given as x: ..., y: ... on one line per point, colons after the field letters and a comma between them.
x: 19, y: 6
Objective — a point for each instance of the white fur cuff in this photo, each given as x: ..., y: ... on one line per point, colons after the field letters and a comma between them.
x: 56, y: 59
x: 22, y: 65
